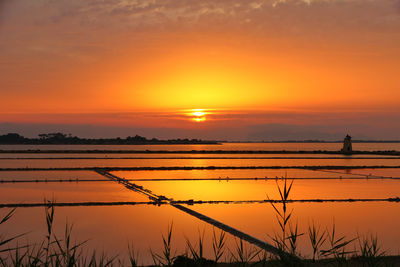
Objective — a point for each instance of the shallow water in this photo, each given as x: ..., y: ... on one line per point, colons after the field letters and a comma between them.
x: 68, y: 163
x: 223, y: 146
x: 257, y: 173
x: 261, y: 190
x: 111, y: 228
x: 93, y: 156
x: 66, y: 192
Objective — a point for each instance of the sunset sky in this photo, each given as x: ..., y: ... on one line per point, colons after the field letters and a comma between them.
x: 228, y: 70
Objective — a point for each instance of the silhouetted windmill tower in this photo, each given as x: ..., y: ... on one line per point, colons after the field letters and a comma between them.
x: 347, y: 147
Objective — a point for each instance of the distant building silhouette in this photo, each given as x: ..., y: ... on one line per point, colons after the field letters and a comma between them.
x: 347, y: 147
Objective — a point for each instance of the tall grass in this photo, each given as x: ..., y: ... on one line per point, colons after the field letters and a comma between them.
x: 293, y: 238
x: 317, y: 239
x: 133, y: 256
x: 167, y: 257
x: 52, y: 251
x: 287, y: 239
x: 198, y: 254
x: 370, y: 252
x: 218, y: 245
x: 243, y: 254
x: 5, y: 241
x: 326, y: 245
x: 337, y: 245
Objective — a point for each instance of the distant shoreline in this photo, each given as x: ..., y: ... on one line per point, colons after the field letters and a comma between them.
x: 107, y: 151
x: 202, y: 142
x: 68, y: 139
x: 64, y: 139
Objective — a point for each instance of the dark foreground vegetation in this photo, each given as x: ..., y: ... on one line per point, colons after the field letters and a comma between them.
x: 64, y: 139
x: 328, y: 249
x: 67, y: 139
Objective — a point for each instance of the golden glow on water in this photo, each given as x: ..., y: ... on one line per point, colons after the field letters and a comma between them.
x: 144, y: 224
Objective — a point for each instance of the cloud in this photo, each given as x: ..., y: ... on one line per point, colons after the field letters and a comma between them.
x: 48, y: 41
x: 293, y: 16
x: 396, y: 4
x: 66, y: 25
x: 3, y: 7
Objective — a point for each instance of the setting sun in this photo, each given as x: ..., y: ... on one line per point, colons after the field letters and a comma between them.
x: 136, y: 114
x: 197, y: 115
x: 199, y: 119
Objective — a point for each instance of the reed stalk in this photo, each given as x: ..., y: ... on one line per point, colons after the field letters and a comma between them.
x: 197, y: 255
x: 282, y: 215
x: 317, y: 239
x: 133, y: 256
x: 167, y: 257
x: 337, y: 245
x: 370, y: 251
x: 243, y: 254
x: 218, y: 245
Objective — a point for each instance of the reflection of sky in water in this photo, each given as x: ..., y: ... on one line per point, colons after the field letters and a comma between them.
x: 111, y: 228
x: 146, y: 223
x: 258, y: 190
x: 71, y: 163
x: 224, y: 146
x: 260, y: 173
x: 67, y: 192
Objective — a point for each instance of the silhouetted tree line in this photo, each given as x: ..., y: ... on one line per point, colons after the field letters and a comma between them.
x: 67, y: 139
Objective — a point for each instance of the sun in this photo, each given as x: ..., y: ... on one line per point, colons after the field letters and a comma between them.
x: 197, y: 115
x: 199, y: 119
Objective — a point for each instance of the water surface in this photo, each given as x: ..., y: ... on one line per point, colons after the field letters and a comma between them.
x: 111, y: 228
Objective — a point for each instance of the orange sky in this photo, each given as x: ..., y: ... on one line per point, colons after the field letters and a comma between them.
x: 162, y: 57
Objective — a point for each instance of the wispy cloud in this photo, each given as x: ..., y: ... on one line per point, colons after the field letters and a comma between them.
x: 267, y: 15
x: 46, y: 42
